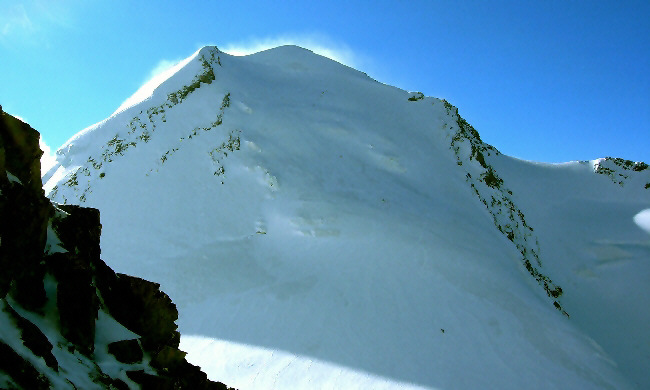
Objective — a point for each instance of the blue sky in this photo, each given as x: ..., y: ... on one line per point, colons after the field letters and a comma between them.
x: 548, y: 81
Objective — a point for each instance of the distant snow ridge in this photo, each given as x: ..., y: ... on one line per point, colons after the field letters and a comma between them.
x: 619, y: 170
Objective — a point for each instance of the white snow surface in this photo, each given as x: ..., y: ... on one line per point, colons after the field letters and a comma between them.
x: 642, y: 219
x: 321, y: 235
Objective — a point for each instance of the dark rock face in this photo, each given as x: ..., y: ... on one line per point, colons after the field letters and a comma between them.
x: 28, y: 210
x: 151, y: 313
x: 126, y: 351
x: 76, y: 299
x: 23, y: 374
x: 33, y: 338
x: 53, y: 285
x: 21, y: 154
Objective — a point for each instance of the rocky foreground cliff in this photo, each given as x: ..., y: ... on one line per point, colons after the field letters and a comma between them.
x: 66, y: 319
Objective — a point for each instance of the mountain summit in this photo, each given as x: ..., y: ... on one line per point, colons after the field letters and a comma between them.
x: 319, y: 229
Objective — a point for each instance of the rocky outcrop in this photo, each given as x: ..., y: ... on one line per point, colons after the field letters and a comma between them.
x: 20, y: 180
x: 620, y: 170
x: 473, y: 154
x: 66, y: 319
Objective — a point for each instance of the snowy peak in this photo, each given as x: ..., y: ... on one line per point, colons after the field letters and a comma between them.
x: 148, y: 89
x: 312, y: 223
x: 290, y: 58
x: 141, y: 126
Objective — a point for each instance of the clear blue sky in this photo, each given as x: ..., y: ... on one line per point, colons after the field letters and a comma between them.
x: 547, y: 81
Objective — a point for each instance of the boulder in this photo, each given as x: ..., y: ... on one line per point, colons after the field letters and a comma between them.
x: 126, y: 351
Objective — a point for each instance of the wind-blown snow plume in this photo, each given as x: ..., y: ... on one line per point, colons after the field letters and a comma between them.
x: 161, y: 72
x: 319, y: 44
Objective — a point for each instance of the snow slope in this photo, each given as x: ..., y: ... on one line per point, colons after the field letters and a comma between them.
x: 319, y: 229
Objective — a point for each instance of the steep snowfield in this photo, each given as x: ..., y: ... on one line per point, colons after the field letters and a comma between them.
x: 595, y: 248
x: 318, y: 229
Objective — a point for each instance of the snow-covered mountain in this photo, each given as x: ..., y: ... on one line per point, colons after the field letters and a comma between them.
x: 319, y: 229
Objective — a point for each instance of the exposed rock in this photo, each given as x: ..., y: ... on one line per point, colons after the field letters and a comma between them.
x: 33, y: 338
x: 148, y: 381
x: 25, y: 206
x: 192, y: 378
x: 169, y: 358
x: 79, y: 231
x: 471, y: 153
x: 76, y: 299
x: 22, y: 155
x: 126, y: 351
x: 620, y: 170
x: 22, y: 373
x: 150, y: 313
